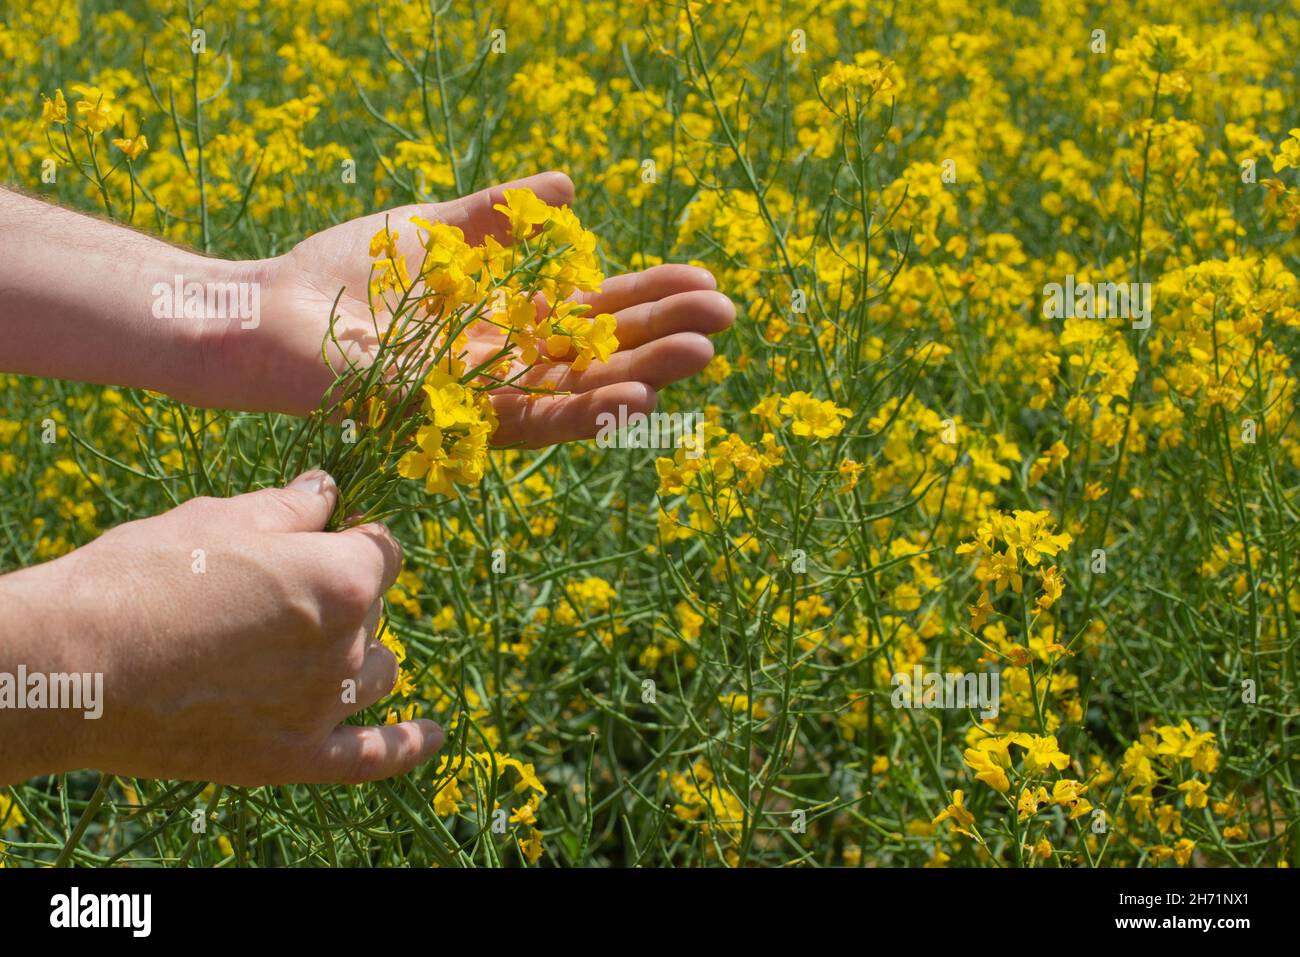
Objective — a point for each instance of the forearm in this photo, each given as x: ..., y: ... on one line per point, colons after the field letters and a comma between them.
x: 84, y: 299
x: 43, y: 727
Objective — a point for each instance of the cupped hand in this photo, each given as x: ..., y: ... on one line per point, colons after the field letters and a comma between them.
x: 664, y: 316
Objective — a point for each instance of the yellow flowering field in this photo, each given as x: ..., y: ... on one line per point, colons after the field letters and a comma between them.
x: 978, y: 544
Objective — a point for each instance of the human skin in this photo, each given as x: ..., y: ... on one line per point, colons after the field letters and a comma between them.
x: 235, y: 674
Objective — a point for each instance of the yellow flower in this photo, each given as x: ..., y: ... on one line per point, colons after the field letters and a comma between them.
x: 962, y: 819
x: 428, y: 461
x: 1031, y: 534
x: 132, y: 147
x: 1195, y: 791
x: 54, y: 111
x: 524, y: 210
x: 989, y: 760
x: 850, y: 472
x: 980, y: 611
x: 1003, y: 569
x: 526, y: 813
x: 1027, y: 804
x: 1069, y: 794
x: 528, y: 778
x: 1050, y: 459
x: 1288, y: 156
x: 1053, y: 587
x: 447, y: 800
x: 767, y: 411
x: 95, y: 108
x: 813, y: 417
x: 1042, y: 753
x: 591, y: 338
x: 383, y: 244
x: 532, y: 847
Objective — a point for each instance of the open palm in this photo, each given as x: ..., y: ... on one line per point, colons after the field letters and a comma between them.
x: 664, y: 315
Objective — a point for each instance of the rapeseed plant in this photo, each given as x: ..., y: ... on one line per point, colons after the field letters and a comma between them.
x: 683, y: 656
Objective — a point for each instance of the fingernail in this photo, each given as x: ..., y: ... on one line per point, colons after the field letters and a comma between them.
x: 707, y: 276
x: 315, y: 482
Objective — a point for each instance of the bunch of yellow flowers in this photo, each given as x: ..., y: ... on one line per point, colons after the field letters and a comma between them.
x: 1026, y: 535
x: 469, y: 321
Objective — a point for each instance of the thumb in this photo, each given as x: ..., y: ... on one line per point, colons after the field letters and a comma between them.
x: 304, y: 505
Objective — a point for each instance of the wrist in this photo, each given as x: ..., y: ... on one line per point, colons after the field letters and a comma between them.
x: 207, y: 306
x: 115, y: 307
x: 264, y: 359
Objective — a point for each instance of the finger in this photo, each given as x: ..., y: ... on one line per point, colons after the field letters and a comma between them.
x: 353, y: 755
x: 658, y: 363
x: 376, y: 679
x: 370, y: 627
x: 372, y: 551
x: 700, y: 310
x: 476, y: 217
x: 634, y: 288
x: 547, y: 420
x: 355, y: 645
x: 304, y: 505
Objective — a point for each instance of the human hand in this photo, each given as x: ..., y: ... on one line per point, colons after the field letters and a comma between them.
x: 231, y: 670
x: 664, y: 316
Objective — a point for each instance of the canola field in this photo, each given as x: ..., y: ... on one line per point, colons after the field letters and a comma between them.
x: 983, y: 552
